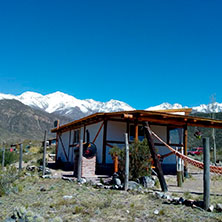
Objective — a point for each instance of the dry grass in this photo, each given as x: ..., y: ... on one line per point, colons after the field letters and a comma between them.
x: 90, y: 204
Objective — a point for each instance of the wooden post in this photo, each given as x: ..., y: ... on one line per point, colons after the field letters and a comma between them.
x: 116, y: 164
x: 215, y: 147
x: 136, y: 131
x: 179, y: 171
x: 126, y: 162
x: 104, y: 141
x: 20, y: 156
x: 44, y: 153
x: 3, y: 157
x: 185, y: 152
x: 206, y: 178
x: 182, y: 165
x: 157, y: 165
x: 56, y: 124
x: 79, y: 176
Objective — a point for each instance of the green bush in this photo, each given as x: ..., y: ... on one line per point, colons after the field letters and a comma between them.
x: 7, y: 178
x: 10, y: 157
x: 140, y: 159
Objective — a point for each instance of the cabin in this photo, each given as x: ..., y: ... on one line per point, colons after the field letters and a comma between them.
x: 107, y: 129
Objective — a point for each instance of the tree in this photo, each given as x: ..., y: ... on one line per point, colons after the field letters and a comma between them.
x: 140, y: 159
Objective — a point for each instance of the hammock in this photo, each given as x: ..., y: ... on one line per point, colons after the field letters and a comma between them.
x: 196, y: 163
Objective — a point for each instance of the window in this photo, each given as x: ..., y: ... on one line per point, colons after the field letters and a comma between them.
x: 175, y: 136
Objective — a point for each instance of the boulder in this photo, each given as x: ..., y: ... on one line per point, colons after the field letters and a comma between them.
x: 146, y: 182
x: 219, y: 207
x: 211, y: 208
x: 132, y: 185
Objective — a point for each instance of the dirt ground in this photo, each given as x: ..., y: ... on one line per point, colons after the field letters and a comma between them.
x: 192, y: 187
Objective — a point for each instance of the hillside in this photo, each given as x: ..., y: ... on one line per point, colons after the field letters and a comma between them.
x: 206, y: 132
x: 19, y: 122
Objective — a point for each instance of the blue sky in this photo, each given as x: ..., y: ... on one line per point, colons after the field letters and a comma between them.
x: 140, y: 52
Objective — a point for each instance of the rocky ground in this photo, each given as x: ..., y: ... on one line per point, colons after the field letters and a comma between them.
x: 55, y: 199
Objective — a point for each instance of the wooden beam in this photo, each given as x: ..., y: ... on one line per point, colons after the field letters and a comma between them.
x: 162, y: 121
x: 136, y: 130
x: 104, y: 141
x: 100, y: 128
x: 63, y: 147
x: 115, y: 141
x: 84, y: 133
x: 157, y: 165
x: 116, y: 164
x: 70, y: 133
x: 185, y: 137
x: 127, y: 116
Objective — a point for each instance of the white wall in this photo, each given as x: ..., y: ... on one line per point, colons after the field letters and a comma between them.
x: 160, y: 131
x: 65, y: 141
x: 93, y: 129
x: 115, y: 132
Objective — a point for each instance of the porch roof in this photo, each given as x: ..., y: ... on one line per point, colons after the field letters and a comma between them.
x: 167, y: 117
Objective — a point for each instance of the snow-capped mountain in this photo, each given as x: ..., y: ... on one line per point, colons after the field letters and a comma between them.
x: 215, y: 107
x: 64, y: 104
x: 166, y: 106
x: 69, y: 106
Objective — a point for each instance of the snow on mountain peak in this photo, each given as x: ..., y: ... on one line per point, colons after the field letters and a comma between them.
x: 165, y: 105
x: 68, y: 105
x: 65, y: 104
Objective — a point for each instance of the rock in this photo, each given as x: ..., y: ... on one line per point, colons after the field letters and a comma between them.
x: 211, y: 208
x: 219, y: 207
x: 146, y: 181
x: 67, y: 197
x: 181, y: 200
x: 175, y: 200
x: 47, y: 170
x: 107, y: 187
x: 29, y: 215
x: 68, y: 178
x: 9, y: 220
x: 132, y: 185
x: 22, y: 215
x: 188, y: 202
x: 159, y: 194
x: 38, y: 219
x: 99, y: 185
x: 31, y: 168
x: 47, y: 176
x: 98, y: 211
x: 82, y: 181
x: 56, y: 219
x: 169, y: 198
x: 116, y: 180
x: 42, y: 189
x: 156, y: 212
x: 19, y: 213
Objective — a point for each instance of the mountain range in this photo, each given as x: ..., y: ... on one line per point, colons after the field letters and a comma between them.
x: 28, y: 115
x: 66, y: 105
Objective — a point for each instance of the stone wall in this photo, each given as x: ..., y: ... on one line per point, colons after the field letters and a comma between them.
x: 88, y: 167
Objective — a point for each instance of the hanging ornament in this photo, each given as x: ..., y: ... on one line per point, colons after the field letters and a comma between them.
x: 198, y: 134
